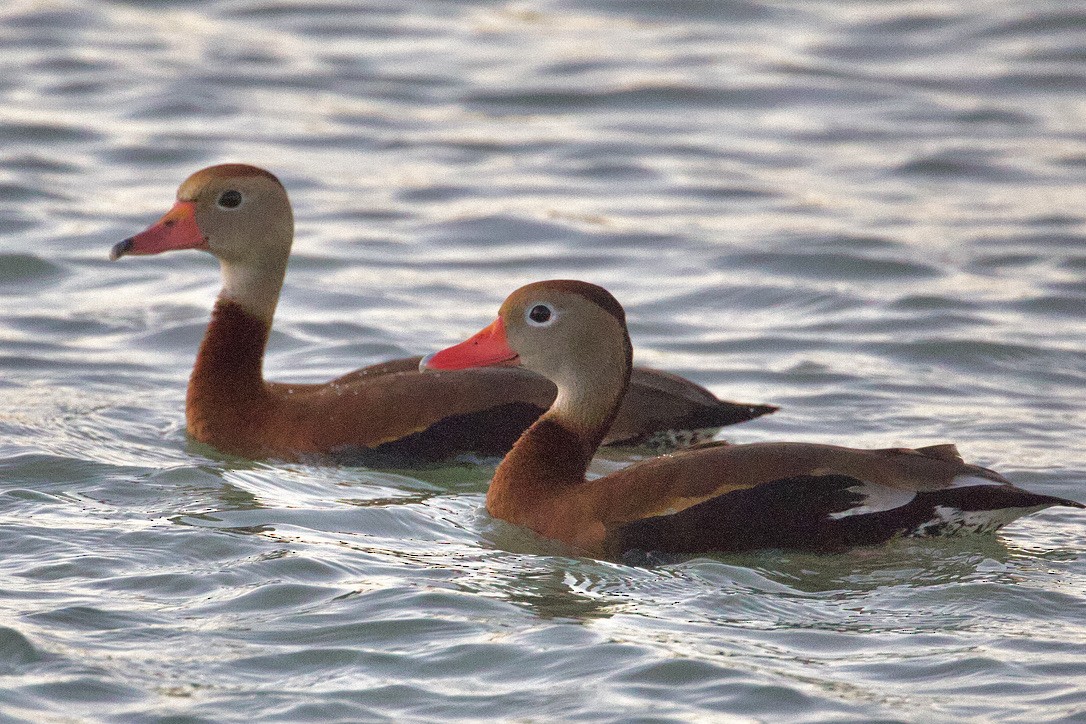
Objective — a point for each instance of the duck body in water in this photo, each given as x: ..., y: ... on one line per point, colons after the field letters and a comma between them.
x: 387, y: 413
x: 715, y: 497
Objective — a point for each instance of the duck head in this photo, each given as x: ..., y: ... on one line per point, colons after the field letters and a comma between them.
x: 239, y: 213
x: 571, y: 332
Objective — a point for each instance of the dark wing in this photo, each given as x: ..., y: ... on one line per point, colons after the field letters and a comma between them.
x: 826, y: 513
x: 658, y: 401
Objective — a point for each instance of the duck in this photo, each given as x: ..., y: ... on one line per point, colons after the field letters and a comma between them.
x: 385, y: 413
x: 709, y: 498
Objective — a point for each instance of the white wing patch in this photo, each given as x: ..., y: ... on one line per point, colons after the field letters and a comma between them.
x: 877, y: 498
x: 944, y: 520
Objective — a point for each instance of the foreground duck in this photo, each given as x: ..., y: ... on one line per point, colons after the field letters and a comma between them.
x: 714, y: 497
x: 390, y: 411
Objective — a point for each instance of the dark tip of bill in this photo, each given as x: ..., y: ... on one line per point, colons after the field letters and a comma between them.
x: 120, y: 249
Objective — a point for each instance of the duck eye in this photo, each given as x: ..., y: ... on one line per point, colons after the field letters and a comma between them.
x: 229, y: 199
x: 540, y: 315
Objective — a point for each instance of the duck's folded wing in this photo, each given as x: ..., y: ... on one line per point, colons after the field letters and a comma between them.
x: 827, y: 513
x: 658, y: 401
x: 401, y: 417
x: 406, y: 364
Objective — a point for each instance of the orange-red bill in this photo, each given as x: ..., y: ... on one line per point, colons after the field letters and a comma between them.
x: 487, y: 348
x: 176, y: 230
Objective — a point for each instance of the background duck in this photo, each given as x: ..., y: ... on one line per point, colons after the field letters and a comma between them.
x: 713, y: 497
x: 243, y: 216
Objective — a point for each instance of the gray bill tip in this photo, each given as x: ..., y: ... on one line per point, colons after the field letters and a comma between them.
x: 424, y: 361
x: 120, y: 249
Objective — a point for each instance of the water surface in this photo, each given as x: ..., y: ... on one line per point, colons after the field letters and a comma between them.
x: 869, y: 213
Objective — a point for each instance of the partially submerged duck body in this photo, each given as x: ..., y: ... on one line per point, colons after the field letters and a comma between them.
x: 713, y: 497
x: 387, y: 412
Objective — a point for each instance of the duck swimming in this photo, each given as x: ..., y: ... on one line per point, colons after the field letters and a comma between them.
x: 714, y: 497
x: 391, y: 411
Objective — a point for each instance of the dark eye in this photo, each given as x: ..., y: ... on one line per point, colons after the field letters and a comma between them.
x: 540, y: 315
x: 230, y: 199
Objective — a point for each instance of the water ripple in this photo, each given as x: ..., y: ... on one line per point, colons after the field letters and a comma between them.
x: 869, y: 213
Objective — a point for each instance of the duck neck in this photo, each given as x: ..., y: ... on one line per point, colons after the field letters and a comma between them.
x: 227, y: 383
x: 254, y: 286
x: 554, y: 453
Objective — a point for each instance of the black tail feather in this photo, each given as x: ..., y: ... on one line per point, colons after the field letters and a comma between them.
x: 724, y: 414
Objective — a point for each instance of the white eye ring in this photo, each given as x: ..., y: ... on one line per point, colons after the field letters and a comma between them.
x: 540, y: 314
x: 229, y: 199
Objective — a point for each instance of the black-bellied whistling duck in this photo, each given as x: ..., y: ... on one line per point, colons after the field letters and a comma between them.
x: 390, y: 411
x: 710, y: 498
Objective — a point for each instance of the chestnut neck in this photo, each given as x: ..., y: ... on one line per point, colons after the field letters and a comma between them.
x: 227, y: 382
x: 553, y: 454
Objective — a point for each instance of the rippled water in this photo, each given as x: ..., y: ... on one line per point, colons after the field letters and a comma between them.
x: 872, y: 214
